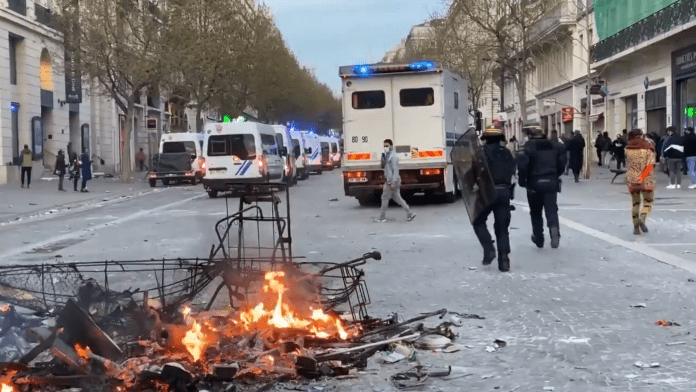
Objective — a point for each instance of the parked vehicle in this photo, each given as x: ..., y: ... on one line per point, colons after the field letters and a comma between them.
x: 326, y: 160
x: 421, y: 107
x: 237, y: 153
x: 177, y: 160
x: 335, y: 152
x: 284, y: 140
x: 299, y: 151
x: 314, y: 153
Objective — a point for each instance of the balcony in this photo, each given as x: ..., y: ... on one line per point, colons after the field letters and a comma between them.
x: 662, y: 21
x: 561, y: 15
x: 18, y: 6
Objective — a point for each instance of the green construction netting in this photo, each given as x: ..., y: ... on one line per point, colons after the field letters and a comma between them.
x: 612, y: 16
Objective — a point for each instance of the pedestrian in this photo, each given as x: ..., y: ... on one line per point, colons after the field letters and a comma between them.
x: 624, y: 137
x: 140, y: 159
x: 619, y: 149
x: 690, y: 154
x: 672, y: 154
x: 60, y: 169
x: 86, y: 165
x: 540, y: 166
x: 606, y: 148
x: 565, y: 140
x: 501, y: 165
x: 599, y: 144
x: 576, y: 154
x: 392, y: 182
x: 640, y: 177
x: 513, y: 145
x: 74, y: 170
x: 27, y: 162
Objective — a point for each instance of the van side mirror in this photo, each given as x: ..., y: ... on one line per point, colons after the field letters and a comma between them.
x: 308, y: 150
x: 283, y: 151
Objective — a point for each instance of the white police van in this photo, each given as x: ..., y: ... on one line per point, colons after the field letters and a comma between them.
x: 335, y: 152
x: 314, y: 153
x: 236, y: 153
x: 299, y: 151
x: 285, y: 144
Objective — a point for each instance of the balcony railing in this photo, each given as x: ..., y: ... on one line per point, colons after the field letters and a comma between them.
x: 676, y: 14
x: 561, y: 14
x: 18, y: 6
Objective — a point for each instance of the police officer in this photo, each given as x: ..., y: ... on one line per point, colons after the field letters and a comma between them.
x: 501, y: 165
x: 540, y: 164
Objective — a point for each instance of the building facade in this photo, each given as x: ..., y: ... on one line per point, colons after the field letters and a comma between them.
x: 647, y: 55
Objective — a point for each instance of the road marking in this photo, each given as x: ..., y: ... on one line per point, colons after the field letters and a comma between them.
x: 79, y: 233
x: 643, y: 249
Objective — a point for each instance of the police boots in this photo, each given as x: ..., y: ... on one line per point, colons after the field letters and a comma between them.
x: 504, y: 262
x: 488, y: 254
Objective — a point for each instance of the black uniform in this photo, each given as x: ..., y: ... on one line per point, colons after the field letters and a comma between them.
x: 540, y: 165
x: 502, y: 167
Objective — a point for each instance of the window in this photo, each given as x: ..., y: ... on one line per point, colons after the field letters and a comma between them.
x: 632, y: 112
x: 325, y: 150
x: 14, y: 107
x: 456, y: 100
x: 369, y: 99
x: 18, y: 6
x: 417, y: 97
x: 178, y: 147
x: 14, y: 41
x: 334, y: 148
x: 296, y: 148
x: 656, y: 99
x: 241, y: 146
x: 268, y: 144
x: 279, y: 141
x: 43, y: 15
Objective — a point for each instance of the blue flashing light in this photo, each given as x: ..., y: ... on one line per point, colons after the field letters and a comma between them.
x: 14, y: 107
x: 421, y: 65
x: 362, y: 70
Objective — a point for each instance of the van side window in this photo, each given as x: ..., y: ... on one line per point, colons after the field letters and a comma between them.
x: 417, y: 97
x: 456, y: 100
x: 279, y: 141
x: 369, y: 99
x: 241, y: 146
x: 269, y: 145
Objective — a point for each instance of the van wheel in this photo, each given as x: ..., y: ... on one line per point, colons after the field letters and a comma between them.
x: 212, y: 194
x: 320, y: 172
x: 194, y: 180
x: 451, y: 197
x: 165, y: 182
x: 366, y: 201
x: 153, y: 183
x: 305, y: 174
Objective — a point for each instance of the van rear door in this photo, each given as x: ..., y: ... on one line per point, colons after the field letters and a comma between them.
x: 367, y: 117
x: 228, y: 155
x: 418, y: 117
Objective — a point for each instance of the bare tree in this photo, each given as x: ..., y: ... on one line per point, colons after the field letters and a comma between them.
x: 510, y: 26
x: 118, y: 45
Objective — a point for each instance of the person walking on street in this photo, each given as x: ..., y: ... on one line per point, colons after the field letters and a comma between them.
x: 540, y: 166
x: 392, y: 183
x: 140, y: 159
x: 606, y: 148
x: 86, y: 165
x: 513, y: 145
x: 599, y: 144
x: 501, y: 165
x: 60, y: 169
x: 75, y: 170
x: 640, y: 177
x: 690, y: 154
x: 673, y: 153
x: 624, y: 137
x: 619, y: 147
x: 576, y: 154
x: 27, y: 162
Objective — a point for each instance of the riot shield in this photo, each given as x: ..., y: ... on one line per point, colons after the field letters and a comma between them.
x: 472, y: 174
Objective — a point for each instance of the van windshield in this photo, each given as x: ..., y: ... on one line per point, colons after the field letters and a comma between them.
x: 242, y: 146
x: 334, y: 148
x: 175, y: 147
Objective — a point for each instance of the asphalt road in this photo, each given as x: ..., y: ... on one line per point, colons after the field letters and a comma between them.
x: 565, y: 314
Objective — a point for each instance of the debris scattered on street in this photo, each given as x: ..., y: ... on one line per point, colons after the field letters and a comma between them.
x: 499, y: 343
x: 666, y: 323
x: 333, y: 199
x: 676, y: 343
x: 646, y: 365
x: 490, y: 349
x: 639, y: 305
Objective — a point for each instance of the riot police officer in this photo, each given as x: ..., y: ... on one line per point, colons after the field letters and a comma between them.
x: 501, y: 165
x: 541, y: 163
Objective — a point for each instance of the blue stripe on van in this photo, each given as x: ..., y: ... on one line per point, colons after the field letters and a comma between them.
x: 246, y: 167
x: 314, y: 156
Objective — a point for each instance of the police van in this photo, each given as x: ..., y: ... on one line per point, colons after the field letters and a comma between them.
x: 326, y: 159
x: 335, y: 152
x: 236, y: 153
x: 285, y: 144
x: 178, y: 159
x: 299, y: 151
x: 421, y: 107
x: 314, y: 153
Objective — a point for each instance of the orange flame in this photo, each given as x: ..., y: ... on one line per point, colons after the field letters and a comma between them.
x: 194, y: 341
x: 4, y: 308
x: 83, y: 352
x: 6, y: 384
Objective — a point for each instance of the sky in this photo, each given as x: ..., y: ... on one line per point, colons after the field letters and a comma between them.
x: 325, y: 34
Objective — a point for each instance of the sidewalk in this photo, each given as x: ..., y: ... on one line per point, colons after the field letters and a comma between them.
x: 44, y: 199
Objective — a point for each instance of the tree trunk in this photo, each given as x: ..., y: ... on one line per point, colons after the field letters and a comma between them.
x: 126, y: 161
x: 199, y: 121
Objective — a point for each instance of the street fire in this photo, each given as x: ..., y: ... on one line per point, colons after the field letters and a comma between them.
x: 6, y: 384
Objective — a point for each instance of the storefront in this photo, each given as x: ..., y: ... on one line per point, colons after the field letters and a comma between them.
x: 684, y: 82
